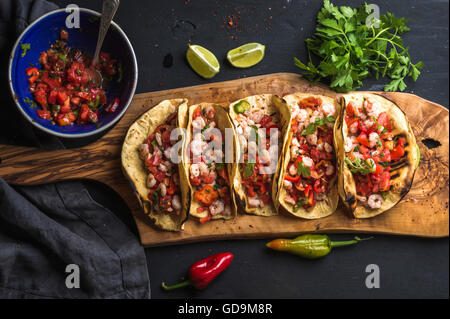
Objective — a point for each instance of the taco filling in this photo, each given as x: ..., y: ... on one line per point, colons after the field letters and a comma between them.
x: 258, y: 155
x: 208, y: 173
x: 311, y: 169
x: 163, y: 179
x: 370, y: 149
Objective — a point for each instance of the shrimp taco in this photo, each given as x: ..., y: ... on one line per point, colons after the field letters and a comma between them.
x: 308, y: 174
x: 205, y: 164
x: 260, y: 123
x: 377, y: 154
x: 149, y: 156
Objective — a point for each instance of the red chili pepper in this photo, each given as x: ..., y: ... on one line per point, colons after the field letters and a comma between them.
x: 202, y: 272
x: 112, y: 107
x: 292, y: 179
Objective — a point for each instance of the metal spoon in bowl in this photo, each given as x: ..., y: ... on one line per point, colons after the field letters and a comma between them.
x: 108, y: 11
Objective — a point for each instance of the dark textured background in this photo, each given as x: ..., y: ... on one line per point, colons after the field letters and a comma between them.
x: 410, y: 267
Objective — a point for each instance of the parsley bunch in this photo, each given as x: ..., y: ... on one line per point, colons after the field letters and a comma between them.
x: 352, y: 46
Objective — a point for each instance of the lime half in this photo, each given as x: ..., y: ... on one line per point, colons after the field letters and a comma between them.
x: 202, y: 61
x: 246, y: 55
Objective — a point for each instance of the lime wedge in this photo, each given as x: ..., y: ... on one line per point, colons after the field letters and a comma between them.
x: 202, y: 61
x: 246, y: 55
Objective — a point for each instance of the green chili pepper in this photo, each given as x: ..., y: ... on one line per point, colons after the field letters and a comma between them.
x: 310, y: 246
x: 241, y: 106
x: 94, y: 105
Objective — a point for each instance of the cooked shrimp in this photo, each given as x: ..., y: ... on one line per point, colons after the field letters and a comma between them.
x: 288, y: 199
x: 197, y: 147
x: 312, y: 139
x: 216, y: 207
x: 210, y: 112
x: 302, y: 115
x: 287, y: 184
x: 292, y: 170
x: 198, y: 123
x: 151, y: 181
x: 354, y: 128
x: 243, y: 142
x: 328, y: 109
x: 203, y: 168
x: 295, y: 142
x: 158, y: 139
x: 239, y: 130
x: 144, y: 151
x: 265, y: 157
x: 195, y: 170
x: 162, y: 189
x: 375, y: 201
x: 168, y: 152
x: 330, y: 170
x: 294, y: 151
x: 328, y: 148
x: 373, y: 139
x: 320, y: 147
x: 176, y: 202
x: 254, y: 202
x: 348, y: 145
x: 256, y: 116
x: 307, y: 161
x: 368, y: 123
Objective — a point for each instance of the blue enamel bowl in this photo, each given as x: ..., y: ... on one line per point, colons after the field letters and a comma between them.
x: 40, y: 35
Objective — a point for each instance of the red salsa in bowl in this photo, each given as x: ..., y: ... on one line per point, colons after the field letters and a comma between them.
x: 62, y: 87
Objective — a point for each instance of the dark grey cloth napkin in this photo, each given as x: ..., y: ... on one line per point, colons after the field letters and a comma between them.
x: 45, y: 229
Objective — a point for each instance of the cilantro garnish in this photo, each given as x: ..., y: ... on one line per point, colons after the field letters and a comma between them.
x: 25, y: 47
x: 302, y: 170
x: 350, y: 50
x: 385, y: 164
x: 312, y: 127
x: 379, y: 143
x: 248, y: 171
x: 365, y: 166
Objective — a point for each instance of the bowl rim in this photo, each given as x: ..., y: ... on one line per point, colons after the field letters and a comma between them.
x: 73, y: 135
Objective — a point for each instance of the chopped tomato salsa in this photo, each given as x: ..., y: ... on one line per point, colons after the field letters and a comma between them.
x: 62, y: 87
x: 370, y: 149
x: 312, y: 165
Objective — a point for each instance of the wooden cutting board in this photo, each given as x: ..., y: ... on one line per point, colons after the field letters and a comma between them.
x: 424, y: 212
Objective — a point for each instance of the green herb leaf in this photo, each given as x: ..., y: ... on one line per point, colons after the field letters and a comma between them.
x: 363, y: 167
x: 248, y: 171
x: 350, y: 50
x: 302, y: 170
x: 25, y: 47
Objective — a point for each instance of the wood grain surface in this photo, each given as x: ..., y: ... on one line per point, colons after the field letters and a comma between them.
x: 423, y: 212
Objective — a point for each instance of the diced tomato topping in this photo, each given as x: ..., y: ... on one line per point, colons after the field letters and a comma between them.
x: 266, y: 119
x: 399, y: 150
x: 196, y: 181
x: 44, y: 114
x: 383, y: 120
x: 64, y: 35
x: 197, y: 113
x: 362, y: 139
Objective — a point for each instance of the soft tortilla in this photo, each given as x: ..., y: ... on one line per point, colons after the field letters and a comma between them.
x: 322, y: 208
x: 403, y: 171
x: 134, y: 169
x: 271, y: 104
x: 223, y: 121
